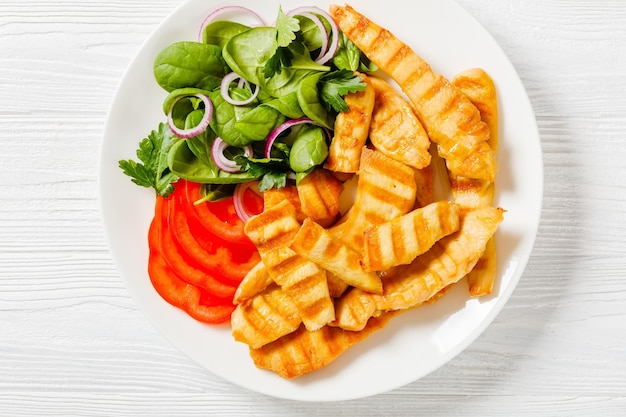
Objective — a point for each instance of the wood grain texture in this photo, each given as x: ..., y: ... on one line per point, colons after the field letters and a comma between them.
x: 73, y: 343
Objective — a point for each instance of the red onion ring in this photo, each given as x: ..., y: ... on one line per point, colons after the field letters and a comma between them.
x: 238, y: 196
x: 280, y: 129
x: 225, y: 85
x: 334, y: 32
x: 318, y: 22
x: 227, y: 9
x: 200, y: 127
x: 221, y: 161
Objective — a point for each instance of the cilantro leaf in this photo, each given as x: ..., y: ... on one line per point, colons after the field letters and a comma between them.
x: 286, y: 28
x: 335, y: 85
x: 153, y: 171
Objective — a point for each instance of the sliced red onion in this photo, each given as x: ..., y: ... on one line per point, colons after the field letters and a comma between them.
x: 238, y: 197
x: 221, y: 161
x: 322, y: 28
x: 280, y: 129
x: 227, y: 9
x: 225, y: 85
x: 200, y: 127
x: 334, y: 32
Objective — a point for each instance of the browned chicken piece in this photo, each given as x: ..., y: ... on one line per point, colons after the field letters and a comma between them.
x: 400, y: 240
x: 316, y: 244
x: 354, y: 309
x: 319, y: 196
x: 478, y: 86
x: 265, y: 317
x: 273, y: 228
x: 255, y: 282
x: 351, y: 131
x: 448, y: 261
x: 481, y: 279
x: 272, y: 232
x: 336, y: 286
x: 395, y: 130
x: 424, y: 180
x: 408, y: 286
x: 471, y: 192
x: 301, y: 352
x: 450, y: 118
x: 386, y: 189
x: 289, y: 192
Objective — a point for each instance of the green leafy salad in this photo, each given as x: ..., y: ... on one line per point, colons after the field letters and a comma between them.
x: 248, y: 103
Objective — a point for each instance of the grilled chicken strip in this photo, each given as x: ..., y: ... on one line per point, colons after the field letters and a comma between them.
x: 395, y: 130
x: 386, y: 189
x: 318, y: 245
x: 400, y: 240
x: 408, y: 286
x: 450, y: 118
x: 303, y: 351
x: 272, y: 232
x: 351, y: 131
x: 265, y: 317
x: 478, y: 86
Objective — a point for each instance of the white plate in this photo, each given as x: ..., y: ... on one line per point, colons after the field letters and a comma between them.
x: 413, y: 344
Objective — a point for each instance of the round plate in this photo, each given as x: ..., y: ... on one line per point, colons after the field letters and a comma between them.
x: 411, y: 345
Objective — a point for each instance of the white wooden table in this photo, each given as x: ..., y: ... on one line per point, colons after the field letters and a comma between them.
x: 73, y: 343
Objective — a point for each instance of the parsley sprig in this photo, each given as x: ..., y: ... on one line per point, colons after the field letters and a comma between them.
x: 153, y: 171
x: 335, y: 85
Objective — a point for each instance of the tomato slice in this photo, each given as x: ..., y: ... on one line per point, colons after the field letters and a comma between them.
x: 206, y: 251
x: 218, y: 217
x: 183, y: 269
x: 195, y: 301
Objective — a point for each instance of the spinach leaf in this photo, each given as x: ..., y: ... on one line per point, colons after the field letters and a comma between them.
x: 215, y: 192
x: 287, y: 105
x: 350, y: 57
x: 310, y: 101
x: 224, y: 118
x: 219, y: 32
x: 240, y: 125
x: 289, y: 78
x: 153, y: 171
x: 175, y: 94
x: 309, y: 149
x: 201, y: 144
x: 311, y: 35
x: 249, y: 52
x: 185, y: 164
x: 257, y: 123
x: 190, y: 64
